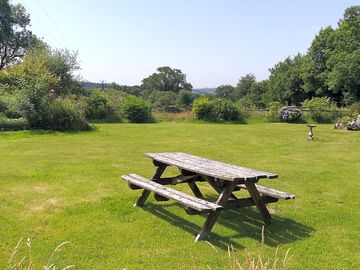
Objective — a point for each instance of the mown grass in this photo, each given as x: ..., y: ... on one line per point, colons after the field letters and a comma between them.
x: 57, y: 187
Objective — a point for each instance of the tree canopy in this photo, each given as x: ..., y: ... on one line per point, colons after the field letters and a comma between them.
x: 15, y: 38
x: 166, y: 79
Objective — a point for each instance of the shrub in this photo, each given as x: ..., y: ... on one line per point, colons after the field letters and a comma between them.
x: 7, y: 124
x: 355, y: 107
x: 290, y: 114
x: 164, y: 100
x: 321, y: 109
x: 217, y: 110
x: 202, y: 108
x: 63, y: 115
x: 136, y: 110
x: 273, y: 112
x: 98, y: 106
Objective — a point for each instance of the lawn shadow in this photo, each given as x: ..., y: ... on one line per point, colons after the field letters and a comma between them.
x: 160, y: 211
x: 245, y: 223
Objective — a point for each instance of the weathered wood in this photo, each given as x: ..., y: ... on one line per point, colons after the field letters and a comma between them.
x: 145, y: 194
x: 213, y: 216
x: 212, y: 168
x: 182, y: 198
x: 260, y: 205
x: 271, y: 192
x: 194, y: 188
x: 215, y: 185
x: 247, y: 202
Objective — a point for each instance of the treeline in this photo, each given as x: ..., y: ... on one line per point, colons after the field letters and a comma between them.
x: 38, y: 88
x: 330, y: 68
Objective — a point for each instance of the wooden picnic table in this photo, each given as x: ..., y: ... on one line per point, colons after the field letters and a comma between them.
x: 224, y: 178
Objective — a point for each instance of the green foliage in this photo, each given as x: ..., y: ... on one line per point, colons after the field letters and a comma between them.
x: 136, y: 110
x: 63, y: 115
x: 290, y: 114
x: 285, y: 81
x: 9, y: 105
x: 273, y: 112
x: 61, y: 63
x: 185, y: 99
x: 244, y: 86
x: 216, y: 110
x: 225, y: 91
x: 7, y: 124
x: 15, y: 38
x: 97, y: 106
x: 321, y: 109
x: 355, y: 107
x: 166, y: 79
x: 164, y: 101
x: 201, y: 108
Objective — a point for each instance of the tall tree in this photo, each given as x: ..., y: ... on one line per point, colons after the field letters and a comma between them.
x: 14, y: 36
x: 166, y: 79
x: 285, y: 81
x: 225, y: 91
x: 244, y: 86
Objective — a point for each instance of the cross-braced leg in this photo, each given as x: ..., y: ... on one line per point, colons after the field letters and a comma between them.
x: 213, y: 216
x: 145, y: 194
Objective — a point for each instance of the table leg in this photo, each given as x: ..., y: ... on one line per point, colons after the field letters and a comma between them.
x: 195, y: 189
x: 213, y: 216
x: 250, y: 185
x: 145, y: 194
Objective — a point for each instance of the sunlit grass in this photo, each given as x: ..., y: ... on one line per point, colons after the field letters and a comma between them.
x: 57, y: 187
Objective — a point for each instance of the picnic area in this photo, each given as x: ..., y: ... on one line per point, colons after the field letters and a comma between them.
x: 57, y: 187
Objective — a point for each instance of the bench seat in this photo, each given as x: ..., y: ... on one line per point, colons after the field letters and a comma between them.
x: 187, y: 200
x: 271, y: 192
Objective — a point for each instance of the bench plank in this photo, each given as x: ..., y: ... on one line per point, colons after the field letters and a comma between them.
x: 209, y: 167
x: 271, y: 192
x: 184, y: 199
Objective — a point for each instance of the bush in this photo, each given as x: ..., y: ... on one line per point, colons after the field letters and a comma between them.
x: 217, y: 110
x: 7, y: 124
x: 273, y: 112
x: 136, y: 110
x: 321, y: 109
x: 9, y: 106
x: 60, y: 115
x: 201, y: 108
x: 63, y: 115
x: 355, y: 107
x: 290, y: 114
x: 98, y: 106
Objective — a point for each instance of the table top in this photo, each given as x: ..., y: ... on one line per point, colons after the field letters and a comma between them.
x: 208, y: 167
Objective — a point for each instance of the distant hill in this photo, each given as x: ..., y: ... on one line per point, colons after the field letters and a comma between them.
x: 203, y: 91
x: 90, y: 85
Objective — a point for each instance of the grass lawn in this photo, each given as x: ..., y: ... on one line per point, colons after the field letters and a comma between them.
x: 58, y: 187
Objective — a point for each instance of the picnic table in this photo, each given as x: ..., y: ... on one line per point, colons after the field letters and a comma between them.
x: 224, y: 178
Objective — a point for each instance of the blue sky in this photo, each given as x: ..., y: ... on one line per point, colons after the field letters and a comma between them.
x: 214, y: 42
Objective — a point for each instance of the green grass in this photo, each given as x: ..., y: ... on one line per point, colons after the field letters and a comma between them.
x: 57, y: 187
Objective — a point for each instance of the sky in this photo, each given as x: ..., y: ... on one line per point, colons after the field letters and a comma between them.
x: 213, y: 42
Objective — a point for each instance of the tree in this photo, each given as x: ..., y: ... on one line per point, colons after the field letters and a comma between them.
x: 61, y: 62
x: 15, y: 38
x: 286, y: 83
x: 166, y: 79
x: 225, y: 91
x: 244, y: 86
x: 185, y: 99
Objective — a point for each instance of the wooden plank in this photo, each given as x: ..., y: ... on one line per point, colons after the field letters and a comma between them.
x: 271, y: 192
x: 145, y: 194
x: 182, y: 198
x: 205, y: 166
